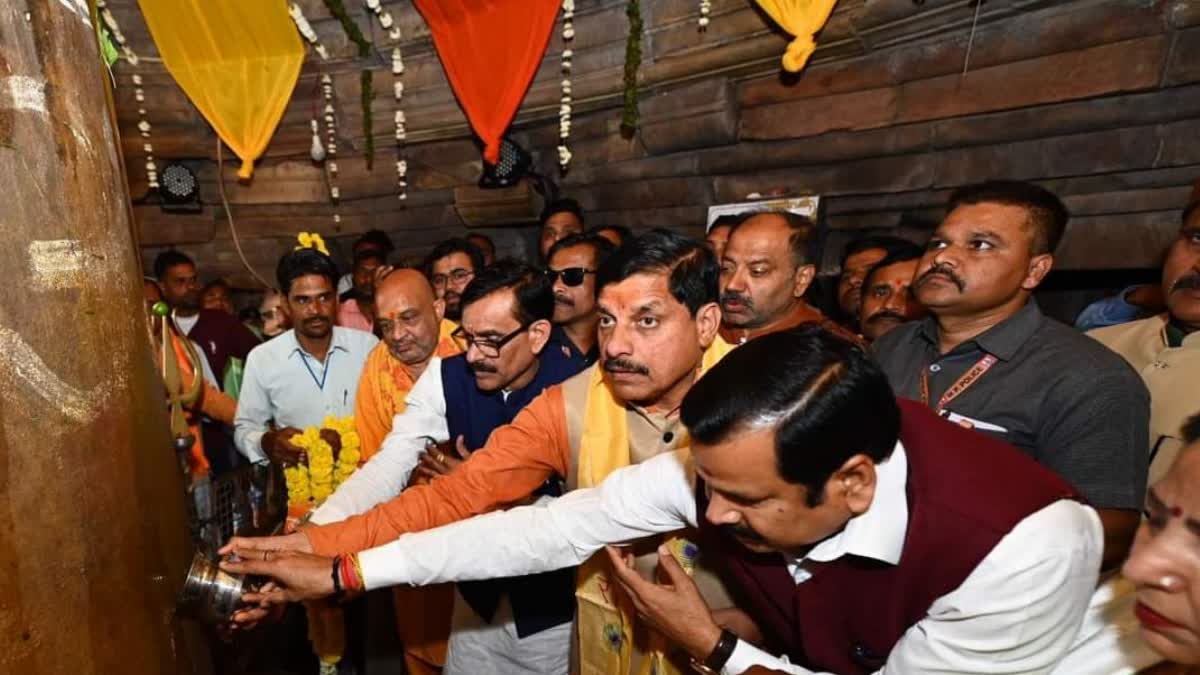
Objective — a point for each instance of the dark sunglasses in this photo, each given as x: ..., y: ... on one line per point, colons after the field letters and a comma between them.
x: 571, y: 276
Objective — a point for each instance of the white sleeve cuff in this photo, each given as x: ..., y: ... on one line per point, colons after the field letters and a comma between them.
x: 745, y: 656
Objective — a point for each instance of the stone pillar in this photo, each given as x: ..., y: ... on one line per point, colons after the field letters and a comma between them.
x: 93, y: 539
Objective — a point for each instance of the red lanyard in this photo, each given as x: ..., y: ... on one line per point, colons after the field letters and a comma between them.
x: 960, y: 385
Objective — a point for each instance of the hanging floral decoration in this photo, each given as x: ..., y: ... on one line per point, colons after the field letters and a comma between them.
x: 338, y: 10
x: 139, y: 94
x: 331, y: 167
x: 705, y: 10
x: 564, y: 109
x: 633, y: 61
x: 307, y: 31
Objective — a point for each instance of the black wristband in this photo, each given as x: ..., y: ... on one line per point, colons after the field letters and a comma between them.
x: 720, y: 654
x: 337, y: 578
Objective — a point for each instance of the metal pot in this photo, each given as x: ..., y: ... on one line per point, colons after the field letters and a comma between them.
x: 210, y: 594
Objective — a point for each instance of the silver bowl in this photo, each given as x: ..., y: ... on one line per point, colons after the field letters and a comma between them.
x: 210, y: 594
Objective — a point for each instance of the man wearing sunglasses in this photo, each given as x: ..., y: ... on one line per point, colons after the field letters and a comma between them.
x: 452, y: 409
x: 571, y: 268
x: 450, y: 266
x: 658, y: 326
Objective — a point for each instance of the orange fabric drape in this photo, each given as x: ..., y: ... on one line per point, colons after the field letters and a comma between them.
x: 237, y: 60
x: 490, y: 50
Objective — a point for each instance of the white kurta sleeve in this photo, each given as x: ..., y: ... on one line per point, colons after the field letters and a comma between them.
x: 634, y: 502
x: 386, y: 474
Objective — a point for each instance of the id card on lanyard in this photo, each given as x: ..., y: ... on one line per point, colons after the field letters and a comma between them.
x: 960, y: 385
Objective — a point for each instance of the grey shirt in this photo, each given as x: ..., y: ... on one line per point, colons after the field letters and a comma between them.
x: 1070, y: 403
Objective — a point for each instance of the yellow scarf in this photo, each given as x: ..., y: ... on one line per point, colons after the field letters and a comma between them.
x: 606, y: 618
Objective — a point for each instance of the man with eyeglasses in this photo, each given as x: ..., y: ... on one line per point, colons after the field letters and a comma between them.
x: 658, y: 326
x: 572, y: 267
x: 506, y: 325
x: 450, y: 266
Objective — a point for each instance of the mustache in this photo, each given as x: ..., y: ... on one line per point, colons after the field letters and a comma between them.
x: 482, y: 367
x: 563, y: 300
x: 1187, y: 282
x: 941, y: 270
x: 885, y: 314
x: 731, y: 296
x: 316, y: 321
x: 619, y: 365
x: 742, y: 532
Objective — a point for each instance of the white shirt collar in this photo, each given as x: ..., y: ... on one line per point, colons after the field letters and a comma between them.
x: 879, y: 532
x: 337, y: 341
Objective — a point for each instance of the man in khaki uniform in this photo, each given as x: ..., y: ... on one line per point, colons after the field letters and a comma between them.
x: 1165, y: 349
x: 658, y: 327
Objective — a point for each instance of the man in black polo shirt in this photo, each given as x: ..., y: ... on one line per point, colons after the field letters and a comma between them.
x: 988, y: 358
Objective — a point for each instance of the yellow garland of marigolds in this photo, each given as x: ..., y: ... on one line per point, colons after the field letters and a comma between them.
x: 310, y: 484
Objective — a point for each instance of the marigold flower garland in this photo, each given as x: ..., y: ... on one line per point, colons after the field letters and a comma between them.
x: 310, y: 484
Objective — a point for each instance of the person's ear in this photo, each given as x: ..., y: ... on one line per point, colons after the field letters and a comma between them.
x: 439, y: 309
x: 1039, y: 267
x: 539, y: 334
x: 802, y: 280
x: 853, y: 484
x: 708, y: 322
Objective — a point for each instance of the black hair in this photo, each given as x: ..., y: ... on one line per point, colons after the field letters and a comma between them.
x: 168, y: 259
x: 303, y: 262
x: 888, y: 244
x: 728, y: 220
x: 823, y: 395
x: 479, y: 235
x: 1191, y: 429
x: 910, y: 252
x: 623, y: 233
x: 369, y: 254
x: 1047, y: 214
x: 692, y: 267
x: 215, y: 283
x: 449, y: 247
x: 601, y: 247
x: 801, y: 229
x: 533, y: 290
x: 378, y: 240
x: 564, y: 205
x: 1189, y: 210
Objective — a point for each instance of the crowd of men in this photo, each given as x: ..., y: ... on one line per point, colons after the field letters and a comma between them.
x: 929, y: 476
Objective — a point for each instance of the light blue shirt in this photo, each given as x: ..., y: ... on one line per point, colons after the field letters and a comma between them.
x: 286, y: 384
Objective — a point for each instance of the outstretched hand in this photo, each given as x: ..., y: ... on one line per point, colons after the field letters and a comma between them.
x: 297, y: 577
x: 253, y: 547
x: 676, y: 609
x: 440, y: 459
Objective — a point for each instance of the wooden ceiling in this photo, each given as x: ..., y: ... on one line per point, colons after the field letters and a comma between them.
x: 1097, y: 98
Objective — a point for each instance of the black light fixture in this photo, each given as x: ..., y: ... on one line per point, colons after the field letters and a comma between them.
x: 514, y: 163
x: 179, y: 189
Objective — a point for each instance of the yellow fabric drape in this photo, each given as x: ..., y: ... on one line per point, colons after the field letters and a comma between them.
x: 606, y: 619
x: 237, y: 60
x: 802, y: 19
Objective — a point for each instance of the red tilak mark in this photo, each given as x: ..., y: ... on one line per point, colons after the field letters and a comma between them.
x: 1176, y: 512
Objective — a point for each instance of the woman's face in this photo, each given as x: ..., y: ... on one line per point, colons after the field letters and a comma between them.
x: 274, y: 316
x: 1165, y: 562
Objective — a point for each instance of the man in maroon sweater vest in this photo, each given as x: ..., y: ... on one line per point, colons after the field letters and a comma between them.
x: 861, y: 533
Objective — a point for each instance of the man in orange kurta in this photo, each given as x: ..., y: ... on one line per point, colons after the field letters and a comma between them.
x: 410, y: 321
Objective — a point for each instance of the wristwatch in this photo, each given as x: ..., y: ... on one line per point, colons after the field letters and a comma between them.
x: 719, y: 656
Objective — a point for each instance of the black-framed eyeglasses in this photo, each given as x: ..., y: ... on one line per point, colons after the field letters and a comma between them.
x: 571, y: 276
x: 458, y: 275
x: 488, y: 346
